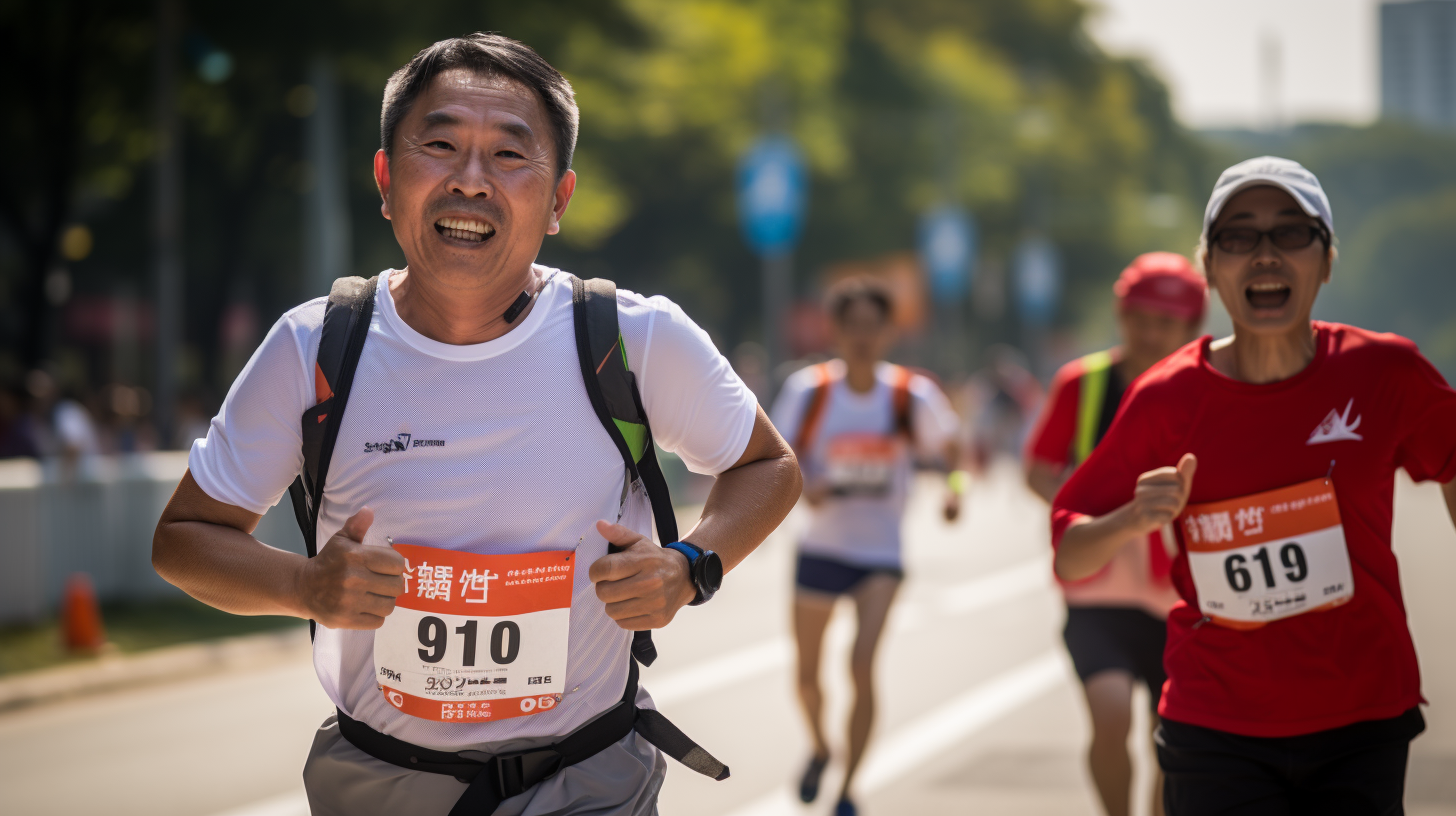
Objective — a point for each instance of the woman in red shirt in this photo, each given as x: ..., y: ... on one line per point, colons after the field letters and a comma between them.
x: 1292, y: 680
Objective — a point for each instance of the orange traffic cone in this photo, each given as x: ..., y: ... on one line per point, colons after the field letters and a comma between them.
x: 81, y: 616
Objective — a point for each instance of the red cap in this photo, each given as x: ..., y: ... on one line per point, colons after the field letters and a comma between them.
x: 1163, y: 282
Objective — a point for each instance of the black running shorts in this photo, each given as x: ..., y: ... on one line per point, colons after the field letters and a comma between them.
x: 1355, y: 769
x: 835, y: 577
x: 1107, y: 638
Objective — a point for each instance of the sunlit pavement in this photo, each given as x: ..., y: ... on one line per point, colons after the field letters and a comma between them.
x: 979, y: 712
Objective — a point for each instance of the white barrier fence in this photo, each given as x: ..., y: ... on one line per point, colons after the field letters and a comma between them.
x: 98, y: 521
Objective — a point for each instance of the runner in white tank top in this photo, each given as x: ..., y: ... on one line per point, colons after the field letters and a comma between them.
x: 857, y: 424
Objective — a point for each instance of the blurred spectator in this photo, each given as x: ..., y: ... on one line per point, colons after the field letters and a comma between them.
x: 125, y: 409
x: 192, y: 421
x: 17, y: 426
x: 64, y: 426
x: 1001, y: 401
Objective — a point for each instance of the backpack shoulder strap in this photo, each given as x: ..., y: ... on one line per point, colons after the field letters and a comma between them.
x: 341, y: 342
x: 900, y: 401
x: 1091, y: 392
x: 814, y: 410
x: 612, y: 389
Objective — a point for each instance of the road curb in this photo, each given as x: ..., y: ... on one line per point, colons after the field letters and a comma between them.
x: 117, y: 671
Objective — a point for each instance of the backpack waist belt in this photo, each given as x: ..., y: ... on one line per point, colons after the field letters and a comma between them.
x: 493, y: 779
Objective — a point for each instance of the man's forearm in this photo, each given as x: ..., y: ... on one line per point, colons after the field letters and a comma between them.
x: 228, y: 569
x: 1089, y: 544
x: 745, y: 505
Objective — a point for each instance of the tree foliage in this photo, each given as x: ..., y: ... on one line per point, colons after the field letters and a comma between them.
x: 1006, y: 107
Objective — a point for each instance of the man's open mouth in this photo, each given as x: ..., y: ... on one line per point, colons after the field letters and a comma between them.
x: 464, y: 229
x: 1267, y: 294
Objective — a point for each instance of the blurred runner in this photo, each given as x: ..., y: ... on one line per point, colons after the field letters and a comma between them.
x: 857, y: 423
x: 488, y: 547
x: 1115, y: 619
x: 1292, y: 680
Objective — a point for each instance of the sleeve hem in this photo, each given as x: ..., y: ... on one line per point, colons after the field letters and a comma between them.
x: 220, y: 492
x: 742, y: 434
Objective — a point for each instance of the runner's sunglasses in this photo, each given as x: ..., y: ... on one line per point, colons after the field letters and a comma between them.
x: 1288, y: 237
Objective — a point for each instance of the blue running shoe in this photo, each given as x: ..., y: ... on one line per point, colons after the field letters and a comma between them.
x: 809, y: 783
x: 845, y: 808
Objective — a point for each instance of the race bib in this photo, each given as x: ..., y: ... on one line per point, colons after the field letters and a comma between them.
x: 1268, y: 556
x: 861, y: 464
x: 476, y: 637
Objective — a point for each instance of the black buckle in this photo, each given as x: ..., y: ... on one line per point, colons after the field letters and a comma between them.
x: 516, y: 773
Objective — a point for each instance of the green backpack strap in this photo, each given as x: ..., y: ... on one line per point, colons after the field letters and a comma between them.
x: 612, y: 389
x: 341, y: 343
x: 1096, y: 368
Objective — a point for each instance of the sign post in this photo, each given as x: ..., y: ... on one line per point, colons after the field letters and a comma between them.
x: 1038, y: 277
x: 948, y: 247
x: 772, y: 189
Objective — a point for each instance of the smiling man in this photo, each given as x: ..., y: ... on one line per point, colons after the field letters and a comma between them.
x: 487, y: 557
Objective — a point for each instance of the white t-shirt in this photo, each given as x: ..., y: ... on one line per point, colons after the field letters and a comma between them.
x: 861, y: 529
x: 522, y: 464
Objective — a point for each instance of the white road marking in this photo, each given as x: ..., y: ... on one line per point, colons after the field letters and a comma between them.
x: 718, y: 672
x: 289, y: 804
x: 987, y: 701
x: 935, y: 732
x: 981, y: 593
x: 743, y: 664
x: 941, y: 729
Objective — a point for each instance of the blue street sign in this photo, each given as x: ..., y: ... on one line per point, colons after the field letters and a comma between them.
x: 771, y: 193
x: 1038, y: 273
x: 948, y: 250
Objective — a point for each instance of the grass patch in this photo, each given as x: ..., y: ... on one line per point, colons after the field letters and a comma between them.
x: 131, y: 627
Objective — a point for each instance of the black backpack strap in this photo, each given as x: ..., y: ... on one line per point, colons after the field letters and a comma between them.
x: 612, y: 389
x: 341, y: 342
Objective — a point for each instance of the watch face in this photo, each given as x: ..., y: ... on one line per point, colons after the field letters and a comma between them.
x: 711, y: 570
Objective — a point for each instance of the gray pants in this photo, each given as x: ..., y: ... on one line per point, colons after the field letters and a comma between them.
x: 341, y: 780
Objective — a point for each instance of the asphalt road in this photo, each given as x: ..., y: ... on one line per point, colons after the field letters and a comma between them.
x: 979, y: 712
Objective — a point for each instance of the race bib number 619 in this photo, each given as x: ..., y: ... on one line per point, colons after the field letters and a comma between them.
x: 1268, y: 556
x: 474, y: 637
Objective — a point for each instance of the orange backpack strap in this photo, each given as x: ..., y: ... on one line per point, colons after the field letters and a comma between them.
x: 814, y: 411
x: 900, y: 400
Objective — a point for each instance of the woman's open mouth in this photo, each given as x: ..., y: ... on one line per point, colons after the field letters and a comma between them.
x: 1267, y: 294
x: 464, y: 229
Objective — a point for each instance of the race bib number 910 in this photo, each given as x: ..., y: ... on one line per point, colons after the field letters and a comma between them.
x: 476, y: 637
x: 1268, y: 556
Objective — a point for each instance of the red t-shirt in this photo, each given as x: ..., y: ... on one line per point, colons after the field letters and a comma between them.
x: 1137, y: 576
x: 1319, y: 670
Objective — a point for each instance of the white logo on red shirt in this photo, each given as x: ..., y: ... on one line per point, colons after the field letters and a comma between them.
x: 1336, y: 427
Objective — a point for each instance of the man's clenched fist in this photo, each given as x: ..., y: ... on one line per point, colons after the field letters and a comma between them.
x: 644, y: 585
x: 350, y: 585
x: 1161, y: 495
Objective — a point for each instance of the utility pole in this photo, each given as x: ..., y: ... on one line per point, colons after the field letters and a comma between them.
x: 167, y: 219
x: 327, y: 234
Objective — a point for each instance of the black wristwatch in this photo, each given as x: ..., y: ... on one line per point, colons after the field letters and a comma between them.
x: 705, y: 567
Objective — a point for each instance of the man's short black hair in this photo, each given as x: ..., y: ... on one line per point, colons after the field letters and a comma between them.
x: 848, y: 291
x: 490, y: 55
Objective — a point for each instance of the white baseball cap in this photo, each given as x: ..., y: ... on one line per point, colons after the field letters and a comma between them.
x: 1286, y: 174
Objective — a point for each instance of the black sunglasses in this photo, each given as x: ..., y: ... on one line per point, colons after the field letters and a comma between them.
x: 1288, y: 237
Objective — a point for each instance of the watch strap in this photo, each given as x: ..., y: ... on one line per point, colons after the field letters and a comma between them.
x: 692, y: 551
